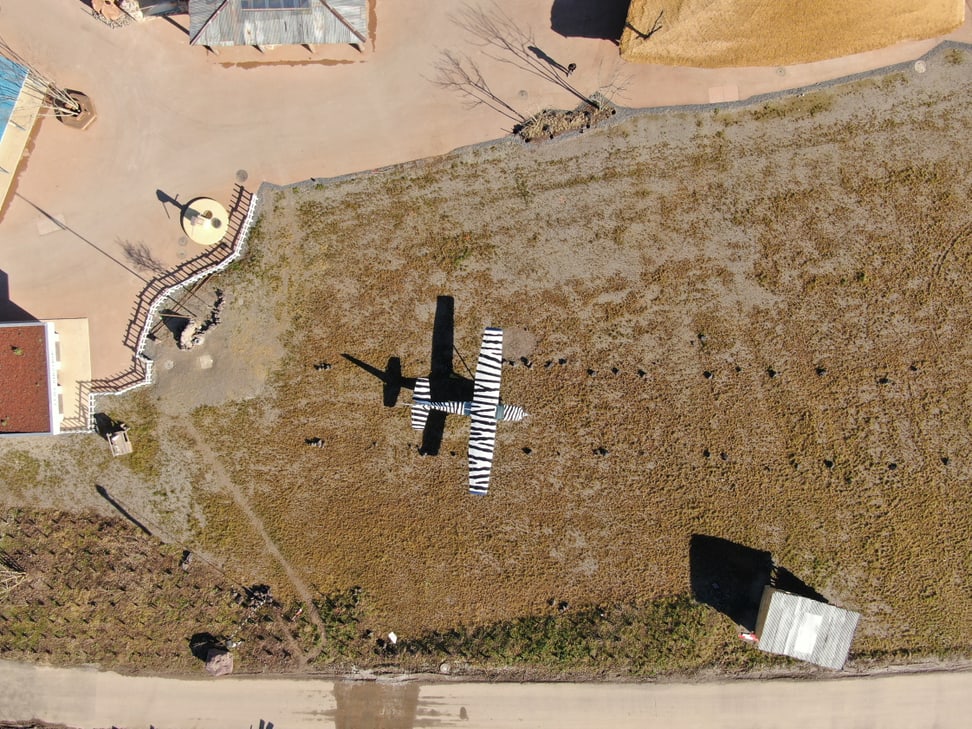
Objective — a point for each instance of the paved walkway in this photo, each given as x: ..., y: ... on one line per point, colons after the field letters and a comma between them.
x: 174, y: 120
x: 87, y: 698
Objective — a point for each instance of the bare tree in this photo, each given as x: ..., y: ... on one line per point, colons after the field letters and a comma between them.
x: 504, y: 41
x: 462, y: 74
x: 616, y: 87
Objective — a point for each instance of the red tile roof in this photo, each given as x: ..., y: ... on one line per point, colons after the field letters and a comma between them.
x: 24, y: 382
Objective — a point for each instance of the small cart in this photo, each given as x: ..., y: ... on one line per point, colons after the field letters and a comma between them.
x: 119, y: 441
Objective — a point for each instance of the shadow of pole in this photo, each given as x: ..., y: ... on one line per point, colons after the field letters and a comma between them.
x: 178, y: 25
x: 77, y: 235
x: 167, y: 199
x: 121, y: 509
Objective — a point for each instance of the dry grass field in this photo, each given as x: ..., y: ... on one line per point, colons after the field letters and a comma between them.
x: 745, y: 323
x: 776, y: 32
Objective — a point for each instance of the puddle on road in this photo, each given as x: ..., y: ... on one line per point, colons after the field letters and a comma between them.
x: 371, y: 705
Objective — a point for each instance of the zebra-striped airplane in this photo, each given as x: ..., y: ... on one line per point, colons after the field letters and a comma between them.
x: 484, y: 410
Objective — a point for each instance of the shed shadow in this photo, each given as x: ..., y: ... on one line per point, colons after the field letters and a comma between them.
x: 785, y: 580
x: 201, y: 643
x: 729, y: 577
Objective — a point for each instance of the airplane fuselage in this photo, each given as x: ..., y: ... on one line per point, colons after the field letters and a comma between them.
x: 504, y: 412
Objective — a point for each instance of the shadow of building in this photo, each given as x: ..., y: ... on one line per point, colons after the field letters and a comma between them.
x: 9, y: 311
x: 589, y: 18
x: 731, y: 578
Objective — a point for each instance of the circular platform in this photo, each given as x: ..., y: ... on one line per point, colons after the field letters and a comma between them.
x: 205, y: 221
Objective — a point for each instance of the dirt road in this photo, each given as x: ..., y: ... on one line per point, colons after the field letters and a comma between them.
x: 88, y: 698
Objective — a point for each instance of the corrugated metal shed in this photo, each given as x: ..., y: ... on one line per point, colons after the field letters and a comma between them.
x: 806, y: 629
x: 277, y: 22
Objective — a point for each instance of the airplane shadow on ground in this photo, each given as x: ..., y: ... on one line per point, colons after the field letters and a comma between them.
x: 731, y: 577
x: 445, y: 384
x: 589, y: 18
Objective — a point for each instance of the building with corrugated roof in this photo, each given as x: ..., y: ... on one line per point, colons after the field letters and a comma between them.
x: 267, y: 23
x: 809, y: 630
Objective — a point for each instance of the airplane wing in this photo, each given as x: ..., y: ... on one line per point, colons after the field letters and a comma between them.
x: 482, y: 413
x: 420, y: 403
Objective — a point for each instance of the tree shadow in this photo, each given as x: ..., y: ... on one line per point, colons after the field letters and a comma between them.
x: 647, y: 33
x: 498, y: 36
x: 729, y: 577
x: 602, y: 19
x: 9, y: 311
x: 141, y: 256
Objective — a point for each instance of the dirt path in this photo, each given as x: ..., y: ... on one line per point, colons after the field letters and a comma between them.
x: 87, y: 698
x: 226, y: 485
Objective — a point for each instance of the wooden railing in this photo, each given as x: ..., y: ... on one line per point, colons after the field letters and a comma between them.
x: 160, y: 288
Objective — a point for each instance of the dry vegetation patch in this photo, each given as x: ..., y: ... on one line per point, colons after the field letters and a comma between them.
x: 750, y: 325
x: 551, y: 123
x: 98, y: 590
x: 735, y: 335
x: 776, y: 32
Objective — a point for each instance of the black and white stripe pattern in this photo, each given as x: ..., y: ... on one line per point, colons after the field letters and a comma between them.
x: 483, y: 412
x: 510, y: 413
x: 420, y: 409
x: 453, y: 407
